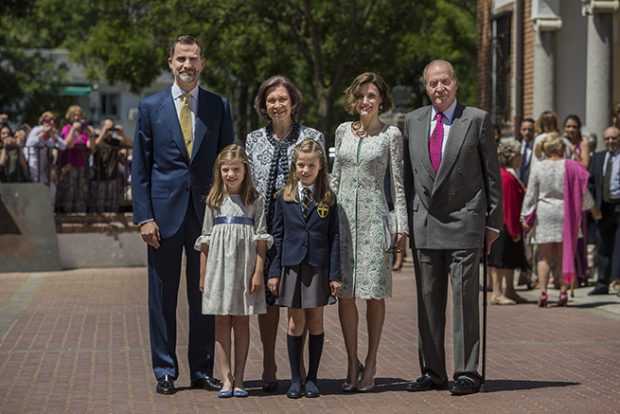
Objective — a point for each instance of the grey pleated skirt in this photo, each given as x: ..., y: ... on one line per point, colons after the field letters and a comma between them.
x: 303, y: 286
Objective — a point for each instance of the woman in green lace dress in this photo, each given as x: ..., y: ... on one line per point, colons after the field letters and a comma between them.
x: 365, y: 150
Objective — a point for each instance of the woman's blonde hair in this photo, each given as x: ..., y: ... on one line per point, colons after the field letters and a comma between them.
x: 72, y: 110
x: 507, y: 150
x: 323, y: 194
x: 218, y: 190
x: 46, y: 114
x: 552, y: 144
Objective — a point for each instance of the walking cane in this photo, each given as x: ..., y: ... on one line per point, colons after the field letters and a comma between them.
x: 484, y: 314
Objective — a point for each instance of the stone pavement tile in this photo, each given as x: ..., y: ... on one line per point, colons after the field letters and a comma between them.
x: 77, y: 342
x: 11, y: 284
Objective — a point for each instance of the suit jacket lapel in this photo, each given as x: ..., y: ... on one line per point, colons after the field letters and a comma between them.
x: 458, y: 131
x: 171, y: 120
x: 421, y: 143
x: 200, y: 128
x: 311, y: 209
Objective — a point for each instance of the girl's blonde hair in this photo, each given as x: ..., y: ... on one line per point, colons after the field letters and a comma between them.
x: 552, y: 144
x: 323, y: 193
x: 218, y: 189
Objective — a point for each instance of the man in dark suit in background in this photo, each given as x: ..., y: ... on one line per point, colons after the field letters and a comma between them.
x: 526, y: 137
x: 179, y: 134
x: 604, y: 184
x: 454, y: 194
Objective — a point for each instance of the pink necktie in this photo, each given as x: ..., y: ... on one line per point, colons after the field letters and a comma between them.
x: 435, y: 142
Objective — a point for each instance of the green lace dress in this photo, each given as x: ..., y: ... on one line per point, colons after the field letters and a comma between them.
x: 358, y: 179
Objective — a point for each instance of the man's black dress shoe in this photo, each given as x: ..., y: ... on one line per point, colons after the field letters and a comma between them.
x: 165, y: 385
x: 312, y: 391
x: 425, y: 383
x: 599, y: 290
x: 465, y: 386
x: 295, y: 390
x: 207, y: 383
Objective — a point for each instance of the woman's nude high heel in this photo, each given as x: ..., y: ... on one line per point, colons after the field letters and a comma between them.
x: 352, y: 386
x: 369, y: 387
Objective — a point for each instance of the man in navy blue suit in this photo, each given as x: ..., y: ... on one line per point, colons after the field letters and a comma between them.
x: 179, y: 133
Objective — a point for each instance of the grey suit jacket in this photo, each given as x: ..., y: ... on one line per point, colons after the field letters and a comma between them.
x: 450, y: 209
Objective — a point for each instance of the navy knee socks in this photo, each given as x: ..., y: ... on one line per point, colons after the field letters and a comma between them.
x: 294, y: 345
x: 315, y: 349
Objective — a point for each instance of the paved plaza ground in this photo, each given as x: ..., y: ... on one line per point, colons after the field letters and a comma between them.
x: 77, y: 342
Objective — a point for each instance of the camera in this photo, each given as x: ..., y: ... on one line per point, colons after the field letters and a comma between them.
x: 10, y: 143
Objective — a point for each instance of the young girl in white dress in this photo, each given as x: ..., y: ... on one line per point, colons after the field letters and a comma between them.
x: 233, y: 244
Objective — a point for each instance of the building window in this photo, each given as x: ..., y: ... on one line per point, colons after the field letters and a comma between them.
x: 502, y: 68
x: 109, y: 104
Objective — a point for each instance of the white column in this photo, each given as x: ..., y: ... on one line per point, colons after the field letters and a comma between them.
x: 546, y: 20
x: 599, y: 67
x: 544, y: 72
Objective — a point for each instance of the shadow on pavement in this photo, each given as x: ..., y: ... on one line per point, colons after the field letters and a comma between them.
x: 593, y: 304
x: 328, y: 386
x: 515, y: 385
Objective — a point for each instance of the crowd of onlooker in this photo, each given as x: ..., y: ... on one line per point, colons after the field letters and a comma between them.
x: 85, y: 167
x: 561, y: 209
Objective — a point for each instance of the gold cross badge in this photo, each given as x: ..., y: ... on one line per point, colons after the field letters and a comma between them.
x: 322, y: 210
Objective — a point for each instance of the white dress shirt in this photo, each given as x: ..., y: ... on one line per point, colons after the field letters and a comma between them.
x: 300, y: 188
x: 614, y: 183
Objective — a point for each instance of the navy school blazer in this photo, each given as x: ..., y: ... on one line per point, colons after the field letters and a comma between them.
x: 316, y: 239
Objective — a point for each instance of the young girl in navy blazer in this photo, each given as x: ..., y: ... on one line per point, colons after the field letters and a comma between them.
x: 305, y: 272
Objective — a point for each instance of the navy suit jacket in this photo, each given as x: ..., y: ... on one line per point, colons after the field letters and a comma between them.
x: 162, y: 172
x: 316, y: 239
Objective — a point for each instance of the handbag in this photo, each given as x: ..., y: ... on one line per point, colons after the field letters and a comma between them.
x: 530, y: 219
x: 389, y: 232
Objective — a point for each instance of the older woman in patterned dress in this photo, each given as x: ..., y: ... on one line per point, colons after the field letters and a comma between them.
x: 365, y: 150
x: 269, y: 151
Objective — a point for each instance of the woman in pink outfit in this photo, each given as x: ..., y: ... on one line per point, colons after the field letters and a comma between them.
x: 79, y: 139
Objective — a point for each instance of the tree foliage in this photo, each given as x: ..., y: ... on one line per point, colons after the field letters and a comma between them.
x: 321, y: 44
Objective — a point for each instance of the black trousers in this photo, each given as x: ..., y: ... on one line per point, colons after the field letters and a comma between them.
x: 609, y: 244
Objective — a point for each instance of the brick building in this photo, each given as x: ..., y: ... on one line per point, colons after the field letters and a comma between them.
x: 559, y: 55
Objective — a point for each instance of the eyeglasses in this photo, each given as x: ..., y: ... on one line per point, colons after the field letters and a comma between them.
x: 612, y: 137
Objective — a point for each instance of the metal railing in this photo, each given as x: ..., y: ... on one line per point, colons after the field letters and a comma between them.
x: 80, y: 180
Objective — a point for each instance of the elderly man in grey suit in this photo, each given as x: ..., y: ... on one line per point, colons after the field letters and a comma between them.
x: 454, y: 193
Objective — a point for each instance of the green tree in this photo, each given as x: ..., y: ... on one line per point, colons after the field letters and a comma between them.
x: 321, y: 45
x: 31, y: 82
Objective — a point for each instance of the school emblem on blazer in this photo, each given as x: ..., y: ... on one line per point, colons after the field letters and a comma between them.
x: 322, y: 210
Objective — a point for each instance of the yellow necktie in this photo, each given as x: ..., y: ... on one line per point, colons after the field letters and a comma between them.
x: 185, y: 118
